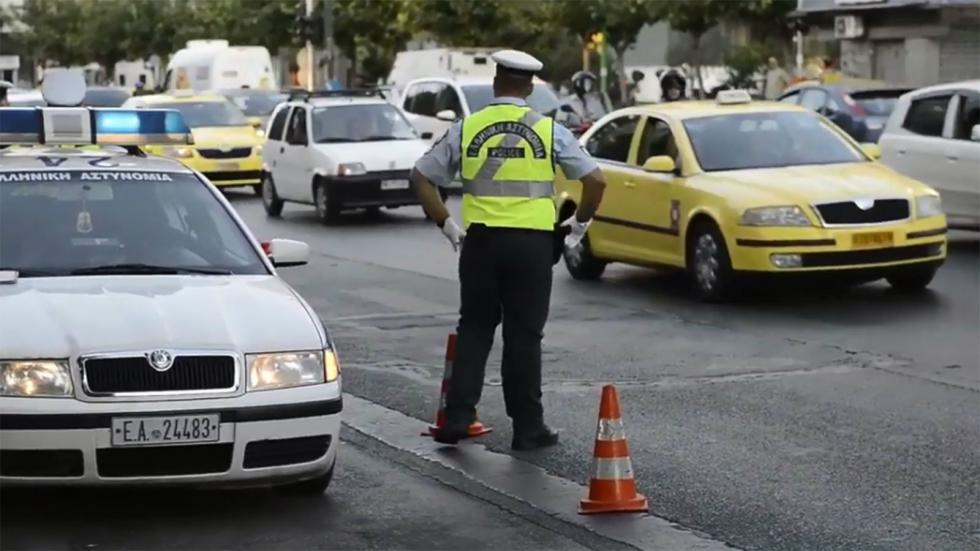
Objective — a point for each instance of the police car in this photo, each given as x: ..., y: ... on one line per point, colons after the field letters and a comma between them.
x: 339, y: 150
x: 145, y: 336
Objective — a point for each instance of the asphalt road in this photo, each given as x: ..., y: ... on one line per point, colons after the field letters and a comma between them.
x: 795, y: 419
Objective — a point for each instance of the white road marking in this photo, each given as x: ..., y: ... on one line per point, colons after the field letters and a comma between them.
x: 521, y: 480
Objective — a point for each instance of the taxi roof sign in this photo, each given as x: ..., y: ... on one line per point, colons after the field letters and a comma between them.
x: 85, y: 126
x: 733, y: 97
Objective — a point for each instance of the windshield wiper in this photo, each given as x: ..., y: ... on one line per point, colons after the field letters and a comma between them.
x: 382, y: 138
x: 27, y: 272
x: 146, y: 269
x: 335, y: 140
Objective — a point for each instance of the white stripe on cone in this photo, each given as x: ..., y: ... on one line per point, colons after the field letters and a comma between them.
x: 610, y: 430
x: 619, y: 468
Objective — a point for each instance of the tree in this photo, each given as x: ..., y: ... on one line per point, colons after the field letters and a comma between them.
x: 51, y: 31
x: 370, y: 33
x: 103, y: 31
x: 768, y: 21
x: 696, y: 17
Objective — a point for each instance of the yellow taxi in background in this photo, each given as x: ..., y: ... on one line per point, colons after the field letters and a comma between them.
x: 729, y: 187
x: 227, y: 149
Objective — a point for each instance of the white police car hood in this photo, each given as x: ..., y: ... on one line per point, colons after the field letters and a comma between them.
x: 63, y: 317
x: 376, y: 156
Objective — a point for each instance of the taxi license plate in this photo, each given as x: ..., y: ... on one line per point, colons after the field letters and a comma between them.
x: 176, y: 429
x: 394, y: 184
x: 228, y: 166
x: 873, y: 239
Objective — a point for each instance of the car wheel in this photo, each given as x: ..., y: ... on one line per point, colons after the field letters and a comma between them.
x: 709, y: 263
x: 581, y: 263
x: 312, y: 487
x: 912, y: 279
x: 257, y: 189
x: 270, y: 199
x: 326, y: 209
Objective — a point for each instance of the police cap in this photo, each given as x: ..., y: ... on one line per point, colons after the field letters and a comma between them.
x: 516, y: 62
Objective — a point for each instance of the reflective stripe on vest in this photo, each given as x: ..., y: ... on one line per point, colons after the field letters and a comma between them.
x: 507, y: 168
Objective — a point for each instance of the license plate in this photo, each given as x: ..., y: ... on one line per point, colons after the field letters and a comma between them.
x: 875, y: 239
x: 175, y: 429
x: 394, y: 184
x: 228, y: 166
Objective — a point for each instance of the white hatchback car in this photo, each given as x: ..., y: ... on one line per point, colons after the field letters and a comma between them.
x: 933, y: 135
x: 339, y: 150
x: 145, y: 337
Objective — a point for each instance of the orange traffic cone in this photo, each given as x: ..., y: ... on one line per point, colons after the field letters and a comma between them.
x: 612, y: 488
x: 477, y: 428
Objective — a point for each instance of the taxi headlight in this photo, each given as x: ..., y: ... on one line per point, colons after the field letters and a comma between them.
x: 179, y: 152
x: 927, y: 206
x: 291, y: 369
x: 35, y: 378
x: 351, y: 169
x: 260, y: 132
x: 775, y: 216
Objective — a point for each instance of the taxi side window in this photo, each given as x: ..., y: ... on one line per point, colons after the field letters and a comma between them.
x: 296, y: 135
x: 278, y: 124
x: 612, y: 141
x: 656, y: 140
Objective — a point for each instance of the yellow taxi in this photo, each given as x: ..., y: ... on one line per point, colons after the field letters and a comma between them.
x: 227, y: 148
x: 731, y: 187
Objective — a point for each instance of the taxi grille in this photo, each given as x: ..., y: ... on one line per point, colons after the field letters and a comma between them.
x: 234, y: 153
x: 107, y: 376
x: 847, y: 212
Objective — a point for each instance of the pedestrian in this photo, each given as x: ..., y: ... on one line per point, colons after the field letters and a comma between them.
x: 777, y: 79
x: 506, y: 154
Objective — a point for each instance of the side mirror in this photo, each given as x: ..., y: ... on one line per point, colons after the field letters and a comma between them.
x: 427, y: 135
x: 872, y: 150
x: 446, y: 115
x: 287, y: 252
x: 256, y: 122
x: 660, y: 163
x: 975, y: 133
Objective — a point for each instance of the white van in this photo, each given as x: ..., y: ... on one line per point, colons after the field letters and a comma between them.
x: 441, y: 62
x: 214, y: 64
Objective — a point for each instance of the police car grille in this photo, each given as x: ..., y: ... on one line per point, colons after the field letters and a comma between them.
x: 134, y: 374
x: 847, y: 212
x: 234, y: 153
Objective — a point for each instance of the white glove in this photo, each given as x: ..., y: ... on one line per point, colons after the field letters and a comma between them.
x: 453, y: 233
x: 578, y: 231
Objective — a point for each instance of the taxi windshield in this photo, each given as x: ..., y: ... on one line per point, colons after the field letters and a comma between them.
x: 117, y: 222
x: 206, y: 113
x: 542, y: 99
x: 766, y: 140
x: 360, y: 123
x: 256, y: 103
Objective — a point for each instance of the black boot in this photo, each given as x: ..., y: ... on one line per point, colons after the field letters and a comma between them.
x: 452, y: 432
x: 532, y: 439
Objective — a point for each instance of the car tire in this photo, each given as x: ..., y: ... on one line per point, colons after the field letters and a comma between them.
x: 311, y: 487
x: 709, y: 264
x: 270, y: 198
x: 912, y: 279
x: 581, y: 263
x: 328, y: 211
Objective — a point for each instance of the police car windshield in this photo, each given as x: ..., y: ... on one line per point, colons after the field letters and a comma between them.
x: 766, y: 140
x: 360, y: 123
x: 255, y: 103
x: 65, y: 222
x: 542, y: 99
x: 206, y: 113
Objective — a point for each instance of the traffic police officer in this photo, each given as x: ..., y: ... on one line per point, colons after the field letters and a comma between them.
x: 506, y: 154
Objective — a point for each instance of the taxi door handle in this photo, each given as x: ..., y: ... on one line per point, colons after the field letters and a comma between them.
x: 629, y: 184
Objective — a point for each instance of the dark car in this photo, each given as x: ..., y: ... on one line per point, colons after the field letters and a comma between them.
x: 861, y: 112
x: 105, y: 96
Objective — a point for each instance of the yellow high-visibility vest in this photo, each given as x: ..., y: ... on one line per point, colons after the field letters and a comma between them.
x: 507, y: 168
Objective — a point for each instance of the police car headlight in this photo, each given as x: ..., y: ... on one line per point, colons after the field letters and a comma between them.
x: 179, y: 152
x: 48, y: 378
x: 351, y: 169
x: 927, y: 206
x: 291, y: 369
x: 775, y: 216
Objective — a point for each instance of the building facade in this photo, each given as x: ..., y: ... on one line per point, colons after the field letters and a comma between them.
x: 905, y: 42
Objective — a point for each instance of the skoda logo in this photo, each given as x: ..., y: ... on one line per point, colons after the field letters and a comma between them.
x: 160, y: 360
x: 225, y: 149
x: 864, y: 204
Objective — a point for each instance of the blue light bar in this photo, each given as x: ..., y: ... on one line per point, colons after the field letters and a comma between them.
x: 83, y: 126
